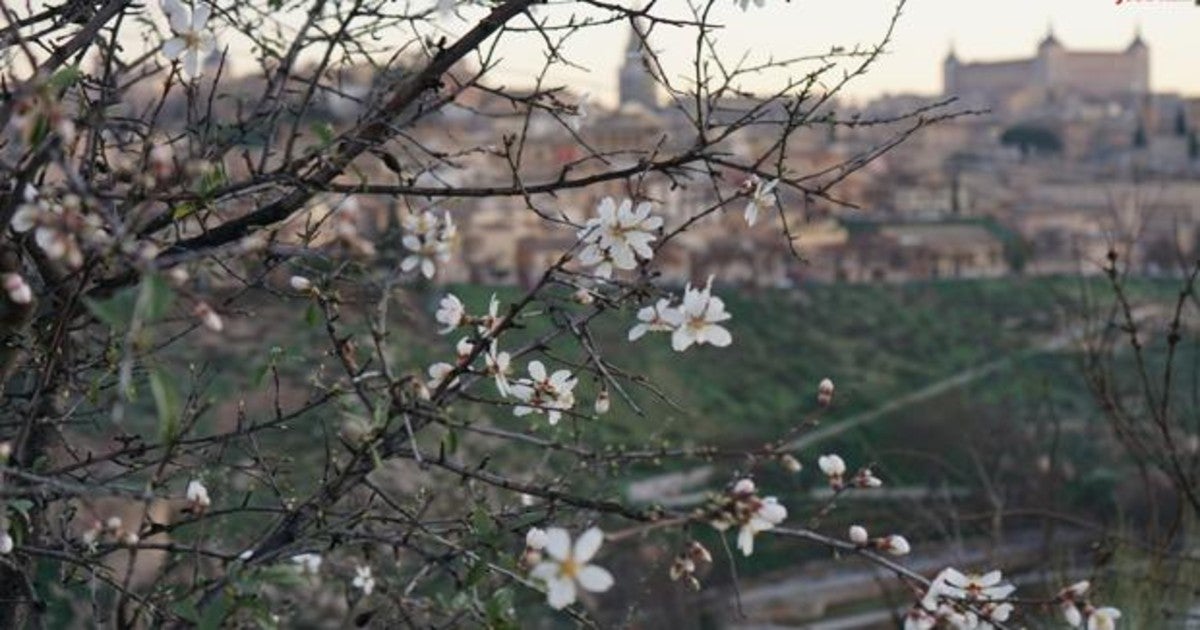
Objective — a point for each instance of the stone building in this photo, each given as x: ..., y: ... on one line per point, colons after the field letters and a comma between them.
x: 1053, y: 70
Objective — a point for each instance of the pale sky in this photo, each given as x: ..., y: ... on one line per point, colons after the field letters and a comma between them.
x: 979, y: 29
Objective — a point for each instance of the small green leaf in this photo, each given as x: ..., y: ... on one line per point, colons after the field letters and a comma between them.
x: 116, y: 311
x: 324, y: 132
x: 64, y: 78
x: 158, y: 296
x: 167, y: 402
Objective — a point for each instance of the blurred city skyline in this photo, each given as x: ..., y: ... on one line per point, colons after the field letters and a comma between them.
x: 924, y: 35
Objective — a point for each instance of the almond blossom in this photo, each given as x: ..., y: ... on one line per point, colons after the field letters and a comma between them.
x: 1103, y: 619
x: 656, y: 318
x: 363, y: 580
x: 542, y: 393
x: 17, y: 289
x: 6, y: 543
x: 308, y: 563
x: 450, y: 314
x: 743, y: 507
x: 568, y: 567
x: 618, y: 236
x: 197, y: 495
x: 834, y: 468
x: 974, y: 586
x: 56, y: 225
x: 499, y: 365
x: 192, y: 41
x: 761, y: 194
x: 697, y: 320
x: 428, y: 241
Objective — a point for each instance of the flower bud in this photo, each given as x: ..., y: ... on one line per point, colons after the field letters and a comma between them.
x: 18, y: 291
x: 858, y: 535
x: 603, y: 402
x: 681, y: 567
x: 895, y: 544
x: 355, y: 432
x: 113, y: 523
x: 744, y: 487
x: 6, y: 543
x: 208, y: 317
x: 536, y: 538
x: 5, y: 451
x: 583, y: 296
x: 301, y: 284
x: 825, y: 393
x: 790, y: 464
x: 698, y: 552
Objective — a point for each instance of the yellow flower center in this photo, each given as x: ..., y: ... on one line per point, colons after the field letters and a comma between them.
x: 569, y: 568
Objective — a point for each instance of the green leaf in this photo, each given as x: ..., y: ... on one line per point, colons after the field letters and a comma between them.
x: 183, y: 210
x: 64, y: 78
x: 168, y: 403
x: 215, y: 614
x: 115, y: 311
x: 158, y: 296
x: 324, y: 132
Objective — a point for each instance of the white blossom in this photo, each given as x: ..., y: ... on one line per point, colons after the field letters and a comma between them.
x: 536, y: 538
x: 308, y: 563
x: 603, y: 402
x: 499, y: 366
x: 428, y: 240
x: 300, y: 283
x: 858, y: 535
x: 197, y: 494
x: 751, y: 513
x: 6, y: 543
x: 894, y: 544
x: 825, y: 392
x: 450, y: 313
x: 438, y: 373
x: 697, y: 320
x: 834, y: 467
x: 1103, y: 619
x: 867, y: 479
x: 768, y: 514
x: 363, y: 580
x: 18, y: 290
x: 618, y: 236
x: 577, y: 119
x: 542, y: 393
x: 763, y: 194
x: 192, y: 40
x: 974, y: 586
x: 656, y: 318
x: 568, y: 567
x: 208, y: 317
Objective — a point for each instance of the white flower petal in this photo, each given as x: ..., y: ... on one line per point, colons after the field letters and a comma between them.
x: 595, y: 579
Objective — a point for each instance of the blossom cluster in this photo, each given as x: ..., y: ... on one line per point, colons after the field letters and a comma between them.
x: 696, y: 320
x: 428, y: 240
x: 618, y: 236
x: 742, y: 507
x: 962, y: 600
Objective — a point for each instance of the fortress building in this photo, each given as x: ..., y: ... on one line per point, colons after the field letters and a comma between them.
x: 1055, y: 70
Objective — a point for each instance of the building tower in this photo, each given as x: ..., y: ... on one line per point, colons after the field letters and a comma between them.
x: 1140, y: 54
x: 635, y: 80
x: 950, y: 72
